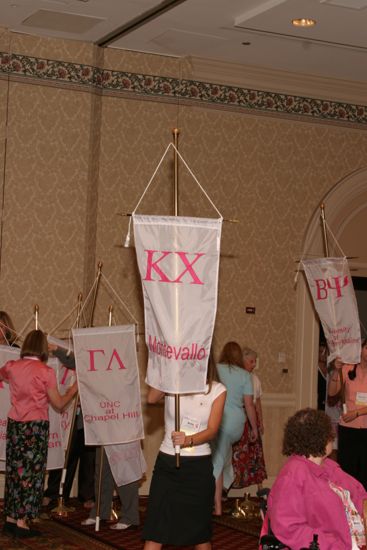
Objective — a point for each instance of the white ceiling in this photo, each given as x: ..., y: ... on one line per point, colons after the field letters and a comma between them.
x: 336, y: 47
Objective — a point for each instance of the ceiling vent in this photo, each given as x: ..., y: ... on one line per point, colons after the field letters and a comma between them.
x: 62, y: 22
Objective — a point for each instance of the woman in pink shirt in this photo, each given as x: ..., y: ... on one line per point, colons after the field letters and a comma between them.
x: 352, y: 430
x: 32, y: 387
x: 312, y: 495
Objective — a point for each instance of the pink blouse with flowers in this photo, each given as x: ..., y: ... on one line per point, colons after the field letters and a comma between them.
x: 354, y: 520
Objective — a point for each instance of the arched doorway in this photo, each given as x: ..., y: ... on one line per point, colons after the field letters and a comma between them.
x: 346, y: 215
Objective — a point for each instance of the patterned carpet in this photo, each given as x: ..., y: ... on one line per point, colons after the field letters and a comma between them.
x: 54, y: 537
x: 249, y: 526
x: 68, y: 534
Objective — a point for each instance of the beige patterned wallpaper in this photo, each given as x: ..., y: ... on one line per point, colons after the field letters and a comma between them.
x: 74, y: 161
x: 45, y: 189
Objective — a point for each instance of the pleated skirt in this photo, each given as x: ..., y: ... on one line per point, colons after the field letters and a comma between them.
x: 180, y: 501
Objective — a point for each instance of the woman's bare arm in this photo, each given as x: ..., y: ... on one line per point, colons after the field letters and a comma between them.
x: 215, y: 418
x: 154, y: 395
x: 259, y: 413
x: 60, y: 401
x: 251, y: 415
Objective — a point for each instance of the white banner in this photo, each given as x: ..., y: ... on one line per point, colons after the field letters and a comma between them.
x: 6, y: 354
x: 108, y: 381
x: 63, y: 344
x: 55, y: 456
x: 335, y: 302
x: 178, y: 261
x: 66, y: 378
x: 126, y: 461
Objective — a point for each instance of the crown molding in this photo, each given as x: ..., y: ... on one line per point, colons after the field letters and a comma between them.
x: 285, y: 82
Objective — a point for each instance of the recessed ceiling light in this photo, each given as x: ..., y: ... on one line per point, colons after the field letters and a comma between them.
x: 246, y: 43
x: 303, y: 22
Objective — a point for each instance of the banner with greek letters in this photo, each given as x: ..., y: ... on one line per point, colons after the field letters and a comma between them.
x: 66, y: 378
x: 333, y: 295
x: 178, y: 260
x: 55, y: 456
x: 126, y: 461
x: 7, y: 353
x: 108, y: 381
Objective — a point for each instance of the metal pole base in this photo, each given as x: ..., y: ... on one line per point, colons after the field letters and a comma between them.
x: 246, y: 509
x: 113, y: 515
x: 237, y: 511
x: 61, y: 510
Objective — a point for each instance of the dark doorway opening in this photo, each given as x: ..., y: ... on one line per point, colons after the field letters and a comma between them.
x: 360, y: 289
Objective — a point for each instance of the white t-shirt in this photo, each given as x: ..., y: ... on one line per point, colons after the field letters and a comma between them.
x: 257, y: 386
x: 195, y: 410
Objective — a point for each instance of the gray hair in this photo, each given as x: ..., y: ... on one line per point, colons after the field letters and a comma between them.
x: 248, y: 352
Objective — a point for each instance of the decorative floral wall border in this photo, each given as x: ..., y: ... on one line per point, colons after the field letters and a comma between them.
x: 179, y: 89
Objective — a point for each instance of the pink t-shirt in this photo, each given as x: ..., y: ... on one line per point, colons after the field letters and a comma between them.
x: 355, y: 395
x: 29, y: 379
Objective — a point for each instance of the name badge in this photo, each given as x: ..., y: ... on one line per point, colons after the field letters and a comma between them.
x: 190, y: 425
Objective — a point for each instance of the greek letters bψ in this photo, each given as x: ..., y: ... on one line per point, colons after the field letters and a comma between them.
x: 336, y: 284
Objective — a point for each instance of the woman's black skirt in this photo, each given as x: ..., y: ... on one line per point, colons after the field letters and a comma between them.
x: 180, y: 501
x: 26, y: 456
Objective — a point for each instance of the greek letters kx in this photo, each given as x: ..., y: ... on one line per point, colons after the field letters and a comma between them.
x: 153, y: 259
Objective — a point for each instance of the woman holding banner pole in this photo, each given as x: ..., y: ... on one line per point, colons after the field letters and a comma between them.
x: 352, y: 431
x: 181, y: 499
x: 32, y: 386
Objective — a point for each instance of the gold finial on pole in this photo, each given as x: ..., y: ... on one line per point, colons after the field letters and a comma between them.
x: 36, y: 312
x: 324, y: 233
